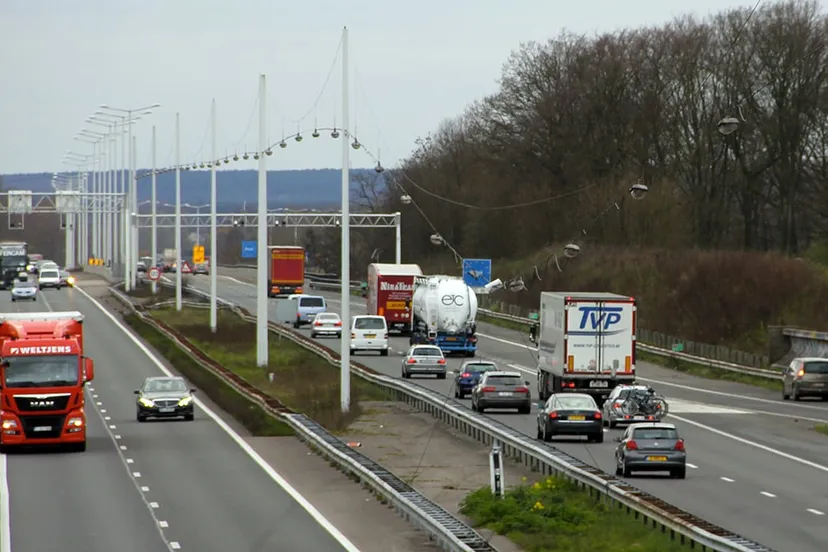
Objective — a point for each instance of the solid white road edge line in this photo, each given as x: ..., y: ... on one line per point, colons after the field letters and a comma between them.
x: 267, y: 468
x: 751, y: 443
x: 5, y: 520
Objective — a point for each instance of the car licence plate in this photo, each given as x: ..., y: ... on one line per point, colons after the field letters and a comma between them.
x: 370, y: 336
x: 819, y: 385
x: 577, y: 418
x: 505, y: 394
x: 598, y: 383
x: 657, y: 458
x: 166, y: 410
x: 43, y: 428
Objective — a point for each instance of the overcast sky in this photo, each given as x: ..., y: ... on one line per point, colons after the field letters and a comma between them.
x: 413, y: 64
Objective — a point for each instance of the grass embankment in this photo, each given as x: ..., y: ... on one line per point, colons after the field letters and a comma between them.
x: 554, y: 515
x: 821, y: 428
x: 303, y: 381
x: 258, y: 422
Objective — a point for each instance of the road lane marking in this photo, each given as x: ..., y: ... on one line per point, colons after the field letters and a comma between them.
x: 767, y: 494
x: 130, y: 460
x: 693, y: 466
x: 163, y: 524
x: 154, y: 505
x: 255, y: 456
x: 816, y: 512
x: 175, y: 546
x: 729, y: 480
x: 145, y: 489
x: 136, y: 475
x: 5, y: 510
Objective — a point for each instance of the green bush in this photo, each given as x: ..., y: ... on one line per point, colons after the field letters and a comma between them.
x: 258, y: 422
x: 555, y: 515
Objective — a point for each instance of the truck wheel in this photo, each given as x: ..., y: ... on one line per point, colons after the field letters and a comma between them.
x: 353, y: 351
x: 77, y: 447
x: 384, y: 353
x: 441, y: 376
x: 470, y: 354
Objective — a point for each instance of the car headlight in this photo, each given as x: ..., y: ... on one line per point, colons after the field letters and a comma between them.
x: 70, y: 280
x: 146, y: 402
x: 185, y: 401
x: 9, y: 424
x: 75, y: 422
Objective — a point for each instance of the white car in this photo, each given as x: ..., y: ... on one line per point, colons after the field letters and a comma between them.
x: 326, y: 323
x: 49, y: 277
x: 24, y: 288
x: 369, y: 333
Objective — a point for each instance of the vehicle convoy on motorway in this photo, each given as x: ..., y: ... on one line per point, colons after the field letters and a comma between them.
x: 424, y: 360
x: 164, y: 397
x: 444, y: 310
x: 24, y: 288
x: 805, y: 377
x: 468, y: 376
x: 571, y: 414
x: 502, y: 390
x: 629, y: 404
x: 369, y: 333
x: 586, y: 343
x: 651, y: 447
x: 287, y: 270
x: 389, y: 293
x: 14, y: 259
x: 43, y: 373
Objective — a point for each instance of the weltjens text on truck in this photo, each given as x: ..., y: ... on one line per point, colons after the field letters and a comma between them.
x: 42, y: 376
x: 586, y: 343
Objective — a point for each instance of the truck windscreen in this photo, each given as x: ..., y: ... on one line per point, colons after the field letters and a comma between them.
x: 16, y: 261
x: 41, y: 371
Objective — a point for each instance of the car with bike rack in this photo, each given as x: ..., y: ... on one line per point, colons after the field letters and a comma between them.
x: 630, y: 404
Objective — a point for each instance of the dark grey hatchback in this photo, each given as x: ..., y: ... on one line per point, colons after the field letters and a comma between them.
x: 651, y: 447
x: 164, y: 397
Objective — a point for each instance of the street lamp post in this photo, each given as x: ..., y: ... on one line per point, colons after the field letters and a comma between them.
x: 154, y: 199
x: 345, y: 269
x: 178, y: 212
x: 262, y: 261
x: 213, y: 240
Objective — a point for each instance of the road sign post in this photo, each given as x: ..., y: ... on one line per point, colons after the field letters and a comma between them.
x: 198, y: 254
x: 477, y: 273
x: 248, y: 249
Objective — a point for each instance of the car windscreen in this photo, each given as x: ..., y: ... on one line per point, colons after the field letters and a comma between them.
x: 576, y: 403
x: 311, y: 302
x: 662, y: 433
x: 327, y: 316
x: 427, y: 352
x: 478, y: 368
x: 508, y: 381
x: 816, y: 367
x: 49, y: 274
x: 165, y: 386
x: 369, y: 324
x: 25, y: 284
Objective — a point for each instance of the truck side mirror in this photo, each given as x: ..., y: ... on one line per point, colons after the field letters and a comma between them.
x: 88, y: 369
x: 137, y: 391
x: 193, y: 390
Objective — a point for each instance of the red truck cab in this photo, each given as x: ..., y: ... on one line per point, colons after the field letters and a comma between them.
x: 42, y: 377
x: 287, y: 270
x: 390, y: 290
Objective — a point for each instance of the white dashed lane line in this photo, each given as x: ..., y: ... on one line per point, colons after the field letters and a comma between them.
x: 816, y: 512
x: 692, y: 466
x: 136, y: 475
x: 729, y: 480
x: 767, y: 494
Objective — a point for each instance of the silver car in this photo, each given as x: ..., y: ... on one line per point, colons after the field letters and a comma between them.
x: 630, y: 404
x: 24, y: 288
x: 327, y: 323
x: 651, y: 447
x: 424, y: 359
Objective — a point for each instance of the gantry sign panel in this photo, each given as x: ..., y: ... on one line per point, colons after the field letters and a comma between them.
x: 361, y: 220
x: 25, y: 202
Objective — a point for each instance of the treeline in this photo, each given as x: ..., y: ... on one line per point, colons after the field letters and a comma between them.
x: 582, y: 118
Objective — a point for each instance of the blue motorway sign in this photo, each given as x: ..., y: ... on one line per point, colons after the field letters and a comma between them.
x: 477, y: 272
x: 249, y: 250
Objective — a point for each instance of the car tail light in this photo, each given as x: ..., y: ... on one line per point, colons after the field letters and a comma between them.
x: 617, y: 405
x: 488, y: 390
x: 631, y: 445
x: 679, y: 445
x: 441, y: 361
x: 317, y: 323
x: 521, y: 389
x: 553, y: 415
x: 353, y: 335
x: 570, y: 384
x: 598, y: 416
x: 411, y: 361
x: 465, y: 375
x: 338, y: 324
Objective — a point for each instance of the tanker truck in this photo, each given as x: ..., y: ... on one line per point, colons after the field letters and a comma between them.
x: 444, y: 310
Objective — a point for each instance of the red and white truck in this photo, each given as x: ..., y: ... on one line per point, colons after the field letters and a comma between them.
x: 43, y: 373
x: 586, y: 343
x: 287, y: 270
x: 390, y: 290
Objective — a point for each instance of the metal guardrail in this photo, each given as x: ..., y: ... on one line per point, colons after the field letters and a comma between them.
x: 536, y: 455
x: 452, y: 534
x: 331, y: 282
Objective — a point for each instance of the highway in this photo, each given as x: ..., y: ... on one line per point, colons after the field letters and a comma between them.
x: 756, y: 466
x: 147, y: 487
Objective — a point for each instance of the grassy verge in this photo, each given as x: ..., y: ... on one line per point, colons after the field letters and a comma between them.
x: 691, y: 368
x: 302, y: 381
x: 821, y: 428
x: 554, y: 515
x: 258, y: 422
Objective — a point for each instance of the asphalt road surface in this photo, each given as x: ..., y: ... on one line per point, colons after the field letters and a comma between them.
x: 147, y: 487
x: 756, y: 465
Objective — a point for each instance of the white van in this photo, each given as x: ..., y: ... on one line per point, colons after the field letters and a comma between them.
x: 307, y: 308
x: 369, y: 333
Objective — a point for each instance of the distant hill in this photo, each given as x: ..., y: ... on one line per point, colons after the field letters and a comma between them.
x: 314, y: 189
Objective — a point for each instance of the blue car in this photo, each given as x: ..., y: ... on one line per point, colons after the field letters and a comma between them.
x: 469, y: 374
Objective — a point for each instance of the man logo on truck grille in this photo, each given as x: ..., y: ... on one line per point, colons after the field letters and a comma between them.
x: 41, y: 404
x: 456, y: 300
x: 597, y: 321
